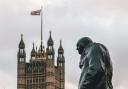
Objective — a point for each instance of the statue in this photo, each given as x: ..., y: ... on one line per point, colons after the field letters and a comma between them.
x: 95, y: 64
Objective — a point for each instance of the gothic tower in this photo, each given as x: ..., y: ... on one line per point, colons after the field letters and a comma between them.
x: 41, y: 72
x: 61, y: 66
x: 21, y: 61
x: 50, y: 66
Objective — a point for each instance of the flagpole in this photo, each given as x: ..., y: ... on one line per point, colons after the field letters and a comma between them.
x: 41, y: 29
x: 40, y: 12
x: 41, y: 25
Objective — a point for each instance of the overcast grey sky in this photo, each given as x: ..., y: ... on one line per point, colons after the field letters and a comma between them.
x: 105, y: 21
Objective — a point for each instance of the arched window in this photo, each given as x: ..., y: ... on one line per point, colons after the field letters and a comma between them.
x: 21, y: 50
x: 21, y: 59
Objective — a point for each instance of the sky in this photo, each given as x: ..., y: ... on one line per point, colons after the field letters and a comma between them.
x: 104, y: 21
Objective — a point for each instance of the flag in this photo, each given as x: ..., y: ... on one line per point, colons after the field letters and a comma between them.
x: 37, y: 12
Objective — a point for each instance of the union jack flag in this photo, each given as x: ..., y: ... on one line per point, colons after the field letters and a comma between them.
x: 37, y: 12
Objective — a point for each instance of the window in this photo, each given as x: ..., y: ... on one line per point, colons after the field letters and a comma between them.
x: 50, y: 56
x: 21, y: 59
x: 21, y: 50
x: 33, y: 58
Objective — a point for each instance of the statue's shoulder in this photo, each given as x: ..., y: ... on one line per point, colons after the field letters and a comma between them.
x: 97, y: 48
x: 102, y: 48
x: 94, y: 46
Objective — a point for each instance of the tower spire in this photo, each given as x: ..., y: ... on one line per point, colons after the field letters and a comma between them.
x: 22, y: 36
x: 60, y: 50
x: 60, y: 43
x: 21, y: 44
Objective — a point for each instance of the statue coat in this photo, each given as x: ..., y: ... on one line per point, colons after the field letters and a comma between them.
x: 96, y: 68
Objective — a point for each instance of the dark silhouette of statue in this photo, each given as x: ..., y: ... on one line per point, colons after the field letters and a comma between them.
x: 95, y: 64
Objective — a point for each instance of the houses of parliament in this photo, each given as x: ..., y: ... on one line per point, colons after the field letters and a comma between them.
x: 42, y: 71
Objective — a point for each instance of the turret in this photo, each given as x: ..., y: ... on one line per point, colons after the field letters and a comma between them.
x: 21, y: 56
x: 50, y: 67
x: 50, y: 49
x: 61, y: 66
x: 33, y: 53
x: 60, y: 59
x: 21, y: 52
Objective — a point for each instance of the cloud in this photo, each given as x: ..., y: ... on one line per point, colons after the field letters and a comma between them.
x: 103, y: 21
x: 7, y: 81
x: 70, y: 85
x: 123, y: 85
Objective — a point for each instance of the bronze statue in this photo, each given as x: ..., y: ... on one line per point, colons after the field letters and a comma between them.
x: 95, y: 64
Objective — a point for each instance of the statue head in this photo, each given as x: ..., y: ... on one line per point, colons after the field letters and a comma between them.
x: 82, y: 43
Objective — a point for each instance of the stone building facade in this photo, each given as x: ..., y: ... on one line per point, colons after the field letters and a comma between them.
x: 41, y: 72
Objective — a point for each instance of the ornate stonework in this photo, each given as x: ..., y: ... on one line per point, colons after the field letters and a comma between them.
x: 40, y: 72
